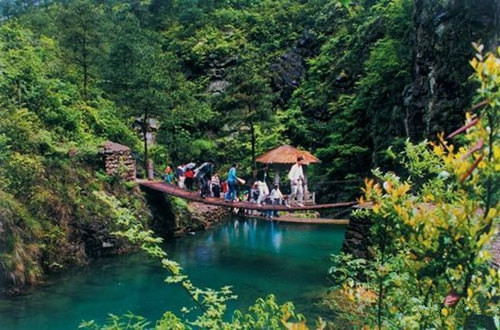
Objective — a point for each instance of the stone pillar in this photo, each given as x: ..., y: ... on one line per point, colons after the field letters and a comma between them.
x: 357, y: 237
x: 150, y: 170
x: 118, y: 160
x: 306, y: 188
x: 276, y: 175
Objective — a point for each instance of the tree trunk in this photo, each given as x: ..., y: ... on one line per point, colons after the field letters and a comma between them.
x: 19, y: 94
x: 145, y: 130
x: 252, y: 132
x: 85, y: 68
x: 85, y: 81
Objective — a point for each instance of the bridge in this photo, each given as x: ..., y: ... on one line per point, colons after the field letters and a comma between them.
x: 193, y: 196
x: 117, y: 156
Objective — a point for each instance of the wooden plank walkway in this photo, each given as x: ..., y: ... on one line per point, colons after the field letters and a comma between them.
x: 194, y: 196
x: 287, y: 218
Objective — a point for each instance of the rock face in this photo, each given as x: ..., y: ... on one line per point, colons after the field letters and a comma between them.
x: 173, y: 216
x: 195, y: 216
x: 118, y: 160
x: 289, y: 69
x: 288, y: 72
x: 357, y: 237
x: 98, y: 241
x: 217, y: 75
x: 444, y: 29
x: 203, y: 216
x: 153, y: 127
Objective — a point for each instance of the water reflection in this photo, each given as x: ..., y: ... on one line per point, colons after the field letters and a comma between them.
x: 234, y: 238
x: 251, y: 234
x: 256, y: 257
x: 276, y: 236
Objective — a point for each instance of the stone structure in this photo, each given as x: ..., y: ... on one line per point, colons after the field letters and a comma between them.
x: 201, y: 217
x: 357, y: 237
x: 173, y: 216
x: 118, y: 160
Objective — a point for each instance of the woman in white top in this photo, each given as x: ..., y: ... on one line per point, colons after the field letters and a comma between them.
x: 263, y: 191
x: 276, y: 199
x: 215, y: 186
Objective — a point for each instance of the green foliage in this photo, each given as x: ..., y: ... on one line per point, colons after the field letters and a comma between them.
x: 19, y: 251
x: 214, y: 43
x: 248, y: 102
x: 128, y: 321
x: 345, y: 268
x: 431, y: 265
x: 352, y: 97
x: 81, y: 20
x: 348, y: 65
x: 76, y: 73
x: 49, y: 143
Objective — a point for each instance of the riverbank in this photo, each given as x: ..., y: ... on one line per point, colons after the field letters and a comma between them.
x: 174, y: 216
x: 202, y: 216
x: 82, y: 233
x: 254, y: 257
x: 71, y: 223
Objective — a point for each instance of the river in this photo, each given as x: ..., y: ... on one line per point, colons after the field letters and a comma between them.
x: 256, y: 257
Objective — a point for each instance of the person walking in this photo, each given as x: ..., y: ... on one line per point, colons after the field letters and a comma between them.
x: 168, y: 174
x: 225, y: 188
x: 216, y: 186
x: 204, y: 174
x: 276, y: 198
x: 179, y: 173
x: 232, y: 183
x: 263, y: 191
x: 189, y: 174
x: 296, y: 176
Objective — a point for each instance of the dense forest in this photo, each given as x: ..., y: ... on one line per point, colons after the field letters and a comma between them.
x: 225, y: 80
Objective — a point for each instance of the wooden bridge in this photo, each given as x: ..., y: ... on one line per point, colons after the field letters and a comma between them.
x: 193, y: 196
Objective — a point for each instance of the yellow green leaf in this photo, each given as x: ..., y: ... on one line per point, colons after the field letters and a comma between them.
x: 470, y: 293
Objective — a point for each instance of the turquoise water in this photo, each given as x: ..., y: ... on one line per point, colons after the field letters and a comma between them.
x: 256, y: 257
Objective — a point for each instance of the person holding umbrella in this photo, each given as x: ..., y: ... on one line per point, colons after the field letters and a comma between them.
x: 179, y: 174
x: 204, y: 174
x: 189, y: 174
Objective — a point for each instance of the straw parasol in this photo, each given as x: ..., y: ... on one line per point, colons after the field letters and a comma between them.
x: 286, y: 155
x: 283, y: 157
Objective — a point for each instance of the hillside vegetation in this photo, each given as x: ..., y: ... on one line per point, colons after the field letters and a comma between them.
x: 226, y: 80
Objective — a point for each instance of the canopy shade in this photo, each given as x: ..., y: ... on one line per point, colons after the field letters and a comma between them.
x: 286, y: 155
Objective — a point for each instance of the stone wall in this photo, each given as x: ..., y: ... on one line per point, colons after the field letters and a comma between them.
x: 203, y: 216
x: 357, y: 237
x: 118, y: 160
x: 357, y: 240
x: 174, y: 216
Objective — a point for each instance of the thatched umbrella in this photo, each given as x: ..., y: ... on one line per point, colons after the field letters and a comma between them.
x: 284, y: 157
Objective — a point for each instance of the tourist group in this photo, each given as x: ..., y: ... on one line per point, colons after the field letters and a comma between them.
x: 186, y: 176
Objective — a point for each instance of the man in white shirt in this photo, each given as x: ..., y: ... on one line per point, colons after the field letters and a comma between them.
x: 296, y: 176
